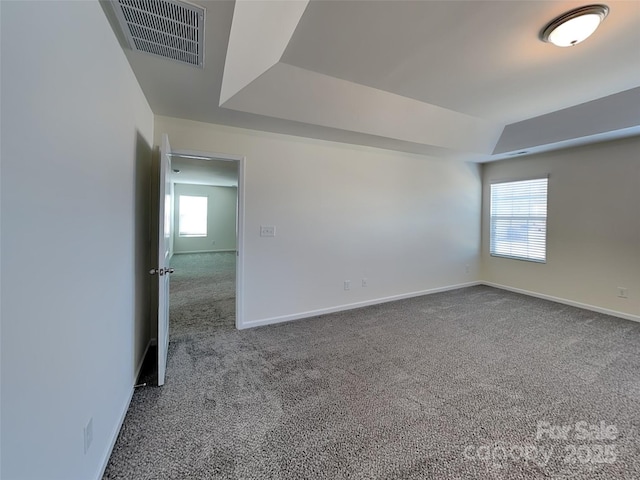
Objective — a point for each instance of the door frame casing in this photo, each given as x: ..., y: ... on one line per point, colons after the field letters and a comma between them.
x: 204, y: 156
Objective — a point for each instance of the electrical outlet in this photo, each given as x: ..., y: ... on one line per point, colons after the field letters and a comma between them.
x: 467, y: 269
x: 365, y: 282
x: 347, y: 284
x: 88, y: 435
x: 267, y: 231
x: 622, y: 292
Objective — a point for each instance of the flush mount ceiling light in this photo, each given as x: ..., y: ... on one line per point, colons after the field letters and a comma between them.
x: 574, y: 26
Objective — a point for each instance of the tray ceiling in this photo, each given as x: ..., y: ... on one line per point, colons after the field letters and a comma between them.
x: 466, y: 79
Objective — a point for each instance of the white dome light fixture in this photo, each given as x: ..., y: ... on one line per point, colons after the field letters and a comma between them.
x: 574, y: 26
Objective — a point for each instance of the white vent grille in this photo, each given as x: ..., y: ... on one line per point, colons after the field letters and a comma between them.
x: 166, y: 28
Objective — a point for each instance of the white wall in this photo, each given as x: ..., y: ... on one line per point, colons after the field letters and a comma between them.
x: 76, y: 136
x: 407, y: 223
x: 593, y: 239
x: 221, y: 219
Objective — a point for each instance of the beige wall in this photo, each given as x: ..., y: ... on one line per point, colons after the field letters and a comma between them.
x: 408, y: 223
x: 593, y: 243
x: 221, y: 219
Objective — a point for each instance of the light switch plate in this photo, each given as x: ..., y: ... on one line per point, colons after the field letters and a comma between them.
x: 267, y: 231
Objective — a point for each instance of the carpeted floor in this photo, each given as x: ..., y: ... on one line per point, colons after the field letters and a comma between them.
x: 203, y: 293
x: 474, y: 383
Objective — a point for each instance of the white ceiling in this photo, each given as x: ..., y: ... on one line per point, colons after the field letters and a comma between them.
x: 201, y: 171
x: 438, y: 77
x: 481, y: 58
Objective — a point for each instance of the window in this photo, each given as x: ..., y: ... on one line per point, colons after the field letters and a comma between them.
x: 192, y: 220
x: 519, y: 220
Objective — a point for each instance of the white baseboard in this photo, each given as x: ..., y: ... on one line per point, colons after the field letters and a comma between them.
x: 606, y: 311
x: 123, y: 414
x: 205, y: 251
x: 349, y: 306
x: 114, y: 434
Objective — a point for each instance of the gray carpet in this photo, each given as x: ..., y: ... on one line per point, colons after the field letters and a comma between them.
x: 203, y: 293
x: 454, y: 385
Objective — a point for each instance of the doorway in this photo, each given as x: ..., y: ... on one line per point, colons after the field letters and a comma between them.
x: 206, y: 241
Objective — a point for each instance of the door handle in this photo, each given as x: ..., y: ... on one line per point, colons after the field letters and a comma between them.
x: 161, y: 271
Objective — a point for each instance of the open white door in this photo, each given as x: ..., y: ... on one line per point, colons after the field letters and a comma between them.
x: 162, y: 271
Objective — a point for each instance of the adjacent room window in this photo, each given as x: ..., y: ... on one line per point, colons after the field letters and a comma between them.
x: 519, y: 220
x: 192, y: 220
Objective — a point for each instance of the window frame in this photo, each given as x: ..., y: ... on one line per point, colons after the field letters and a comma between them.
x: 532, y: 249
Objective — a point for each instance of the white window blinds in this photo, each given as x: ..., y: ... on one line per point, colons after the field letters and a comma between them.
x: 519, y: 220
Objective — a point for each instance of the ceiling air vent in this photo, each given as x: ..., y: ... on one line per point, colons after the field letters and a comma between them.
x: 166, y: 28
